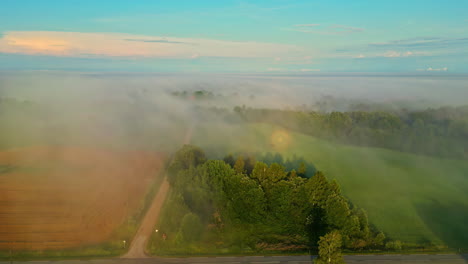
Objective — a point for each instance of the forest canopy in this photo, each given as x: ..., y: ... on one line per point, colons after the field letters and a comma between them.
x: 265, y: 208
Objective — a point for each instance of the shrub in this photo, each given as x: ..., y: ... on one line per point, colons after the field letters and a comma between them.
x: 394, y: 245
x: 191, y: 228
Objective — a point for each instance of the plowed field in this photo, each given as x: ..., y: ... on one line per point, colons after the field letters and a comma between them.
x: 62, y: 197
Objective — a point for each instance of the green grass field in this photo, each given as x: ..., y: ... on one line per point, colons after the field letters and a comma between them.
x: 412, y: 198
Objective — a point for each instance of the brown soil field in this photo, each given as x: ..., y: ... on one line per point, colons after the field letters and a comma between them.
x: 64, y: 197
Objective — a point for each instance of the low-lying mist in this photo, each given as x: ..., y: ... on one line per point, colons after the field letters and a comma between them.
x: 155, y: 110
x: 270, y: 91
x: 386, y: 144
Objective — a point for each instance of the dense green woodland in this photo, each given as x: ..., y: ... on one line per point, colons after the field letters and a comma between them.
x: 439, y: 132
x: 263, y: 207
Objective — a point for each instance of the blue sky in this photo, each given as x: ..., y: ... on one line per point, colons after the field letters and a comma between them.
x: 235, y: 36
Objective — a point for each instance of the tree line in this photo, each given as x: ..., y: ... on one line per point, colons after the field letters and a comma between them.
x: 438, y: 132
x: 265, y: 207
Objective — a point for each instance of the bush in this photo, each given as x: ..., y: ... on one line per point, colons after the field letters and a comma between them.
x: 191, y: 228
x: 394, y: 245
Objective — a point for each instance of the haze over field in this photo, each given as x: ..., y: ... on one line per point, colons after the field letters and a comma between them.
x: 144, y: 128
x: 93, y: 104
x: 255, y: 90
x: 151, y: 112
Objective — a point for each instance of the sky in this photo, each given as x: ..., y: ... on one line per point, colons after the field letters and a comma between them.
x: 303, y: 36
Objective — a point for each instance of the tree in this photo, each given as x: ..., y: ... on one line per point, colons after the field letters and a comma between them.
x: 191, y: 228
x: 213, y: 174
x: 379, y: 239
x: 337, y: 212
x: 268, y: 177
x: 335, y: 187
x: 364, y: 230
x: 196, y: 195
x: 249, y: 164
x: 280, y: 204
x: 260, y: 172
x: 318, y: 189
x: 186, y: 158
x: 339, y: 123
x: 330, y: 249
x: 229, y: 159
x: 239, y: 165
x: 203, y: 187
x: 276, y: 172
x: 245, y: 199
x: 292, y: 175
x: 302, y: 170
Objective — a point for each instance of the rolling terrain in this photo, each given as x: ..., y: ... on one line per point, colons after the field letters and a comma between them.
x: 415, y: 199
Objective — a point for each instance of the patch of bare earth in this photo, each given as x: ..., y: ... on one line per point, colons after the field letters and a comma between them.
x: 63, y: 197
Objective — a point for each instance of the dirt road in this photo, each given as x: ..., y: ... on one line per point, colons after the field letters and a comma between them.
x: 138, y: 245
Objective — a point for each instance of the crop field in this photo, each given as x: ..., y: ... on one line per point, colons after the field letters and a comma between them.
x: 65, y: 197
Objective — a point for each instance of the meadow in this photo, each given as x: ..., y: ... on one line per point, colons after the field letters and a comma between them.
x: 416, y: 199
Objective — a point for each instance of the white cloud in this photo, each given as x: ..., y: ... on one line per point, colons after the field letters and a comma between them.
x: 275, y: 69
x: 76, y: 44
x: 310, y: 70
x: 392, y: 54
x: 430, y: 69
x: 396, y: 54
x: 439, y: 69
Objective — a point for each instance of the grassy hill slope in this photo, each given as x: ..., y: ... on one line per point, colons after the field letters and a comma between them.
x: 413, y: 198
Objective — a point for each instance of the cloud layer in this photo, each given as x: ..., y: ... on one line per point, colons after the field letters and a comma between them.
x: 421, y: 46
x: 422, y: 42
x: 430, y: 69
x: 76, y: 44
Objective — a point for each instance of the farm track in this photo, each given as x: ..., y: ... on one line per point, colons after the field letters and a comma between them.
x: 139, y: 242
x: 138, y: 246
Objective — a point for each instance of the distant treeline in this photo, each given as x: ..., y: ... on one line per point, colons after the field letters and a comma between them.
x: 248, y: 204
x: 439, y: 132
x: 199, y: 94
